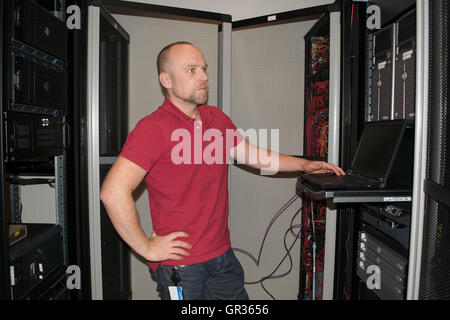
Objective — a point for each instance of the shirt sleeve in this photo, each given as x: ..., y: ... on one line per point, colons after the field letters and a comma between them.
x: 145, y: 144
x: 234, y: 137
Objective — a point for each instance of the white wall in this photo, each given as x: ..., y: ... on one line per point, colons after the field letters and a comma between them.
x: 38, y: 202
x: 240, y: 9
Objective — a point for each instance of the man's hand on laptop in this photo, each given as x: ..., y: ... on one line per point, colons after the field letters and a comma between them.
x: 316, y: 167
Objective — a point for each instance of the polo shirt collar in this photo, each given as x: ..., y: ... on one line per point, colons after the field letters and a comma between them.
x: 171, y: 108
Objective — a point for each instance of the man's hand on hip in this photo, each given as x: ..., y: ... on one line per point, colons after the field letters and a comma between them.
x: 167, y: 247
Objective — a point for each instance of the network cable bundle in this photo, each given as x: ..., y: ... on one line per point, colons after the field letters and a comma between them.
x: 317, y: 56
x: 316, y: 137
x: 290, y: 231
x: 313, y: 251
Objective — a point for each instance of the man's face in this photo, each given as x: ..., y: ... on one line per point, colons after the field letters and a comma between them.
x: 186, y: 75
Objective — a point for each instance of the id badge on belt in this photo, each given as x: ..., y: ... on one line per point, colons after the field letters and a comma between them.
x: 175, y: 291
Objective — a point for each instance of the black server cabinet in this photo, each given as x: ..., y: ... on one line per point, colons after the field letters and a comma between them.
x: 113, y: 98
x: 34, y: 131
x: 373, y: 89
x: 36, y: 28
x: 113, y: 130
x: 78, y: 220
x: 317, y: 64
x: 435, y: 266
x: 5, y: 291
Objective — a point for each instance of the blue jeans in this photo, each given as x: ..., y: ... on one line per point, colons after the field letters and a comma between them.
x: 221, y: 278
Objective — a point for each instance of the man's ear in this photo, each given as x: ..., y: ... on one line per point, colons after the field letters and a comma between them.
x: 164, y: 78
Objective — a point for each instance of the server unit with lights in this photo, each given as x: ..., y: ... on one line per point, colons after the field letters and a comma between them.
x: 381, y: 265
x: 34, y: 259
x: 36, y: 95
x: 35, y: 137
x: 383, y: 249
x: 380, y: 106
x: 405, y: 67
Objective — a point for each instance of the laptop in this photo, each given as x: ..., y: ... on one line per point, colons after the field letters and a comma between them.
x: 373, y: 160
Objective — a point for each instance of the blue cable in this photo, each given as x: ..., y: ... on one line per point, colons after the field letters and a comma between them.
x: 314, y: 252
x: 314, y: 272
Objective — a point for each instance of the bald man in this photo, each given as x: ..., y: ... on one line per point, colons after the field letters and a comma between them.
x: 182, y: 152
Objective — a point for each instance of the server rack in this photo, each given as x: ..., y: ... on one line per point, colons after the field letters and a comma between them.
x: 392, y: 77
x: 369, y: 105
x: 326, y: 117
x: 35, y: 139
x: 433, y: 261
x: 317, y: 69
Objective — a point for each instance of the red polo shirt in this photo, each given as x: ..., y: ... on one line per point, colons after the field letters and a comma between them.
x: 187, y: 179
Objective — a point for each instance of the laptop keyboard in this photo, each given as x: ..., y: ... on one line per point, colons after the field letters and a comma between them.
x: 331, y: 178
x: 330, y: 181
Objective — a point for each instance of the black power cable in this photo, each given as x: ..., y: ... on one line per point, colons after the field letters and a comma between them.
x: 291, y: 231
x: 288, y: 253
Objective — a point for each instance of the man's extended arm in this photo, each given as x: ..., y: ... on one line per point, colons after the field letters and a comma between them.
x: 117, y: 197
x: 259, y: 158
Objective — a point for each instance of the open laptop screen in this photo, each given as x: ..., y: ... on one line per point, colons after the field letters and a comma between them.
x: 376, y: 148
